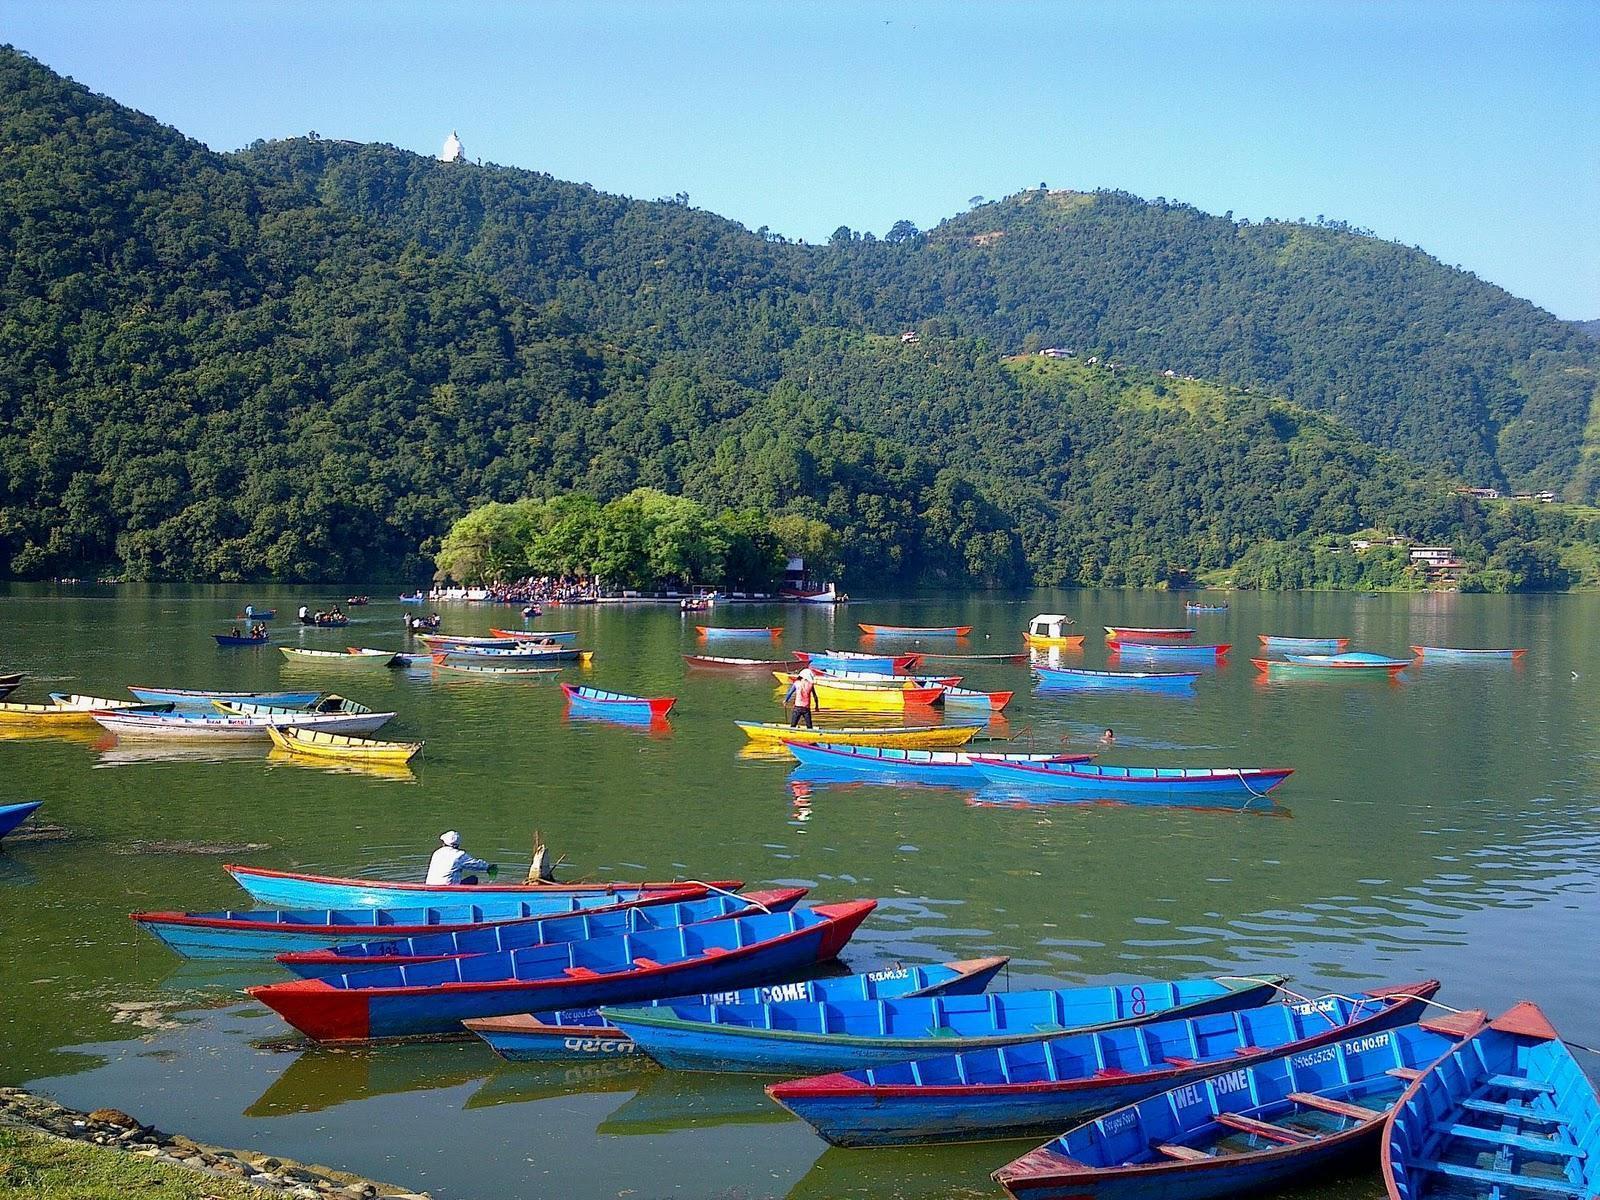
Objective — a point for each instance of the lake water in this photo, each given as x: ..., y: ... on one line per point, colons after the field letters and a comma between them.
x: 1445, y: 825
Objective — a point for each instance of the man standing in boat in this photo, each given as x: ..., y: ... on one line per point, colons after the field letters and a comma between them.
x: 449, y: 860
x: 802, y: 698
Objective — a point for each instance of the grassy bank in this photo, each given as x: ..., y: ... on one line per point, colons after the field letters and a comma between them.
x: 40, y: 1167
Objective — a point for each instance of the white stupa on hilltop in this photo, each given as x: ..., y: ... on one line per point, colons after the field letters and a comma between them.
x: 452, y: 151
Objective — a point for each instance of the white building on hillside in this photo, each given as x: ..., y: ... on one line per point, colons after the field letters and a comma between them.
x: 453, y: 151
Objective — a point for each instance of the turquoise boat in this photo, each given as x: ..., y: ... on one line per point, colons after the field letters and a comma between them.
x: 12, y: 815
x: 800, y: 1037
x: 187, y: 699
x: 954, y: 768
x: 1146, y: 681
x: 1274, y: 643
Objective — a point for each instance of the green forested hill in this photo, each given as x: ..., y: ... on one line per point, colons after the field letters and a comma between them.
x: 308, y: 359
x: 1414, y: 355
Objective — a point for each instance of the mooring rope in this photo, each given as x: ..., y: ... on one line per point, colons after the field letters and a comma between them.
x: 711, y: 887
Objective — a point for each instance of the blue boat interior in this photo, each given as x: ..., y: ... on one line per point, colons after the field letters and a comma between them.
x: 586, y: 960
x: 992, y: 1014
x: 1174, y: 774
x: 1281, y: 1104
x: 500, y: 938
x: 1133, y: 1050
x: 871, y: 985
x: 1501, y: 1116
x: 598, y: 696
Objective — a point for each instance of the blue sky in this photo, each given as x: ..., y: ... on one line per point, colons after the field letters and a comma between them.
x: 1471, y: 129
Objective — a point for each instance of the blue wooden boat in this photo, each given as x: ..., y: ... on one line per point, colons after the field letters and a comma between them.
x: 1302, y: 645
x: 1045, y: 1086
x: 1507, y: 1114
x: 1134, y: 783
x: 432, y: 999
x: 584, y: 1033
x: 1168, y: 650
x: 1146, y: 681
x: 794, y: 1037
x: 602, y: 703
x: 12, y: 815
x: 413, y: 598
x: 266, y: 932
x: 228, y: 639
x: 347, y: 957
x: 289, y: 889
x: 1250, y: 1130
x: 952, y: 767
x: 1462, y: 654
x: 259, y: 614
x: 202, y: 701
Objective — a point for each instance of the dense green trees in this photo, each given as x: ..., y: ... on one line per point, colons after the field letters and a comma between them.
x: 310, y: 359
x: 645, y: 539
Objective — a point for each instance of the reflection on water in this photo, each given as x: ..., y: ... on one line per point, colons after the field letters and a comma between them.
x: 395, y: 772
x: 1444, y: 827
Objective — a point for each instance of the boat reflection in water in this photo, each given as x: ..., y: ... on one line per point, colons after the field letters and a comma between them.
x: 906, y: 1173
x: 395, y: 772
x: 319, y: 1080
x: 127, y: 754
x: 669, y: 1101
x: 1000, y: 796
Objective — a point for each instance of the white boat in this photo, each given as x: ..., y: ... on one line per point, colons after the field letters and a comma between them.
x: 233, y: 728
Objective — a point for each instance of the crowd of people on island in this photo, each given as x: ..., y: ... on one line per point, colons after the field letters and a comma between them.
x: 534, y: 589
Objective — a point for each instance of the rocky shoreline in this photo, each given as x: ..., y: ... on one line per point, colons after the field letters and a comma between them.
x: 116, y: 1130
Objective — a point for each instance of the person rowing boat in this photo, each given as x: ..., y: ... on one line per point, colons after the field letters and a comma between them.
x: 450, y: 860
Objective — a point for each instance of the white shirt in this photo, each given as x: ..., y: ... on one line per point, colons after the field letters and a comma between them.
x: 448, y: 862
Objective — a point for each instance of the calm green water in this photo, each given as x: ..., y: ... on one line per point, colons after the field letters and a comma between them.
x: 1446, y: 825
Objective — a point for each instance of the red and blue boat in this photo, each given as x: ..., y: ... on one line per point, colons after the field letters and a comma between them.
x: 500, y: 938
x: 720, y: 663
x: 12, y: 815
x: 1508, y: 1113
x: 266, y: 932
x: 584, y: 1033
x: 792, y: 1037
x: 707, y: 632
x: 1045, y: 1086
x: 431, y: 1000
x: 960, y: 697
x: 1246, y: 1131
x: 954, y: 768
x: 290, y: 889
x: 1145, y: 681
x: 1135, y: 633
x: 914, y: 631
x: 232, y: 639
x: 1134, y: 783
x: 595, y: 702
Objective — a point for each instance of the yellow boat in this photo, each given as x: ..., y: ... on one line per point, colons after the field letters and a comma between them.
x: 43, y: 714
x: 334, y: 745
x: 1049, y: 629
x: 873, y: 697
x: 919, y: 737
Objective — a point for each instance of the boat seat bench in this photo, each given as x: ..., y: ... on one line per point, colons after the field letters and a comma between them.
x: 1182, y: 1153
x: 1273, y: 1133
x: 1339, y: 1108
x: 1515, y: 1083
x: 1517, y: 1112
x: 1409, y: 1074
x: 1517, y: 1141
x: 1504, y: 1179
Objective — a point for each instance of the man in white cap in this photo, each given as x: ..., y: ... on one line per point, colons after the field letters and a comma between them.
x: 449, y: 860
x: 802, y: 697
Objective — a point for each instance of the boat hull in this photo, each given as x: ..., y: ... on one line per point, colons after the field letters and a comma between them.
x: 372, y: 1010
x: 1299, y: 645
x: 1027, y: 1091
x: 1458, y: 654
x: 202, y: 700
x: 584, y: 1033
x: 948, y: 767
x: 155, y: 727
x: 703, y: 1045
x: 915, y: 630
x: 285, y: 889
x: 1136, y: 782
x: 1124, y: 681
x: 921, y: 737
x: 266, y: 933
x: 12, y: 815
